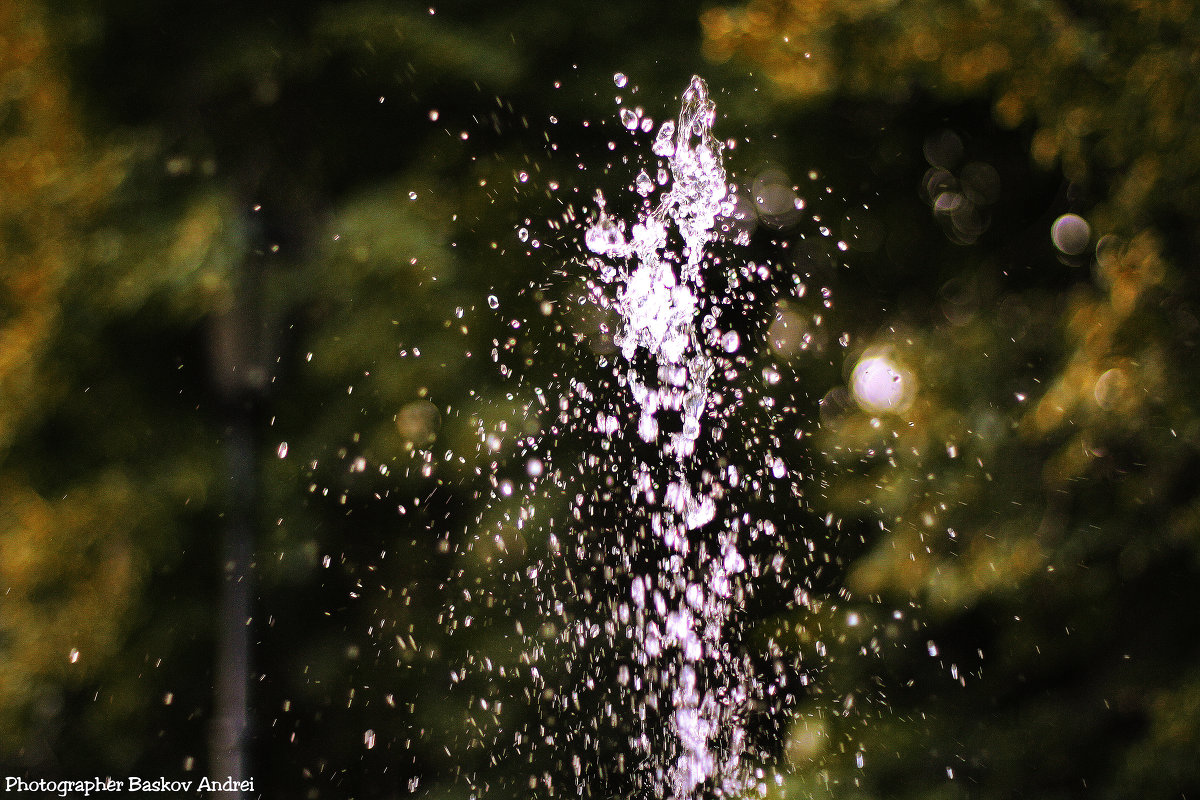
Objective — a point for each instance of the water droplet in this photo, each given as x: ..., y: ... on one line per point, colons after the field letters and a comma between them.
x: 1071, y: 234
x: 643, y: 183
x: 620, y: 80
x: 369, y: 739
x: 73, y: 656
x: 881, y: 385
x: 493, y: 301
x: 730, y: 341
x: 523, y: 234
x: 629, y: 119
x: 433, y: 115
x: 282, y: 450
x: 412, y: 195
x: 664, y: 142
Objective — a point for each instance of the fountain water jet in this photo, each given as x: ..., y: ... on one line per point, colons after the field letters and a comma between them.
x: 682, y: 611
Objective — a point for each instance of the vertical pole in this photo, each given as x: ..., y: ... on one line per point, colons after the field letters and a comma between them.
x: 230, y: 725
x: 240, y: 380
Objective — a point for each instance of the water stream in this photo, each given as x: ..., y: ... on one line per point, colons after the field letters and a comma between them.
x: 680, y: 610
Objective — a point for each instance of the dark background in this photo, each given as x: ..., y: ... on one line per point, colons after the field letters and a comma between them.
x: 246, y: 257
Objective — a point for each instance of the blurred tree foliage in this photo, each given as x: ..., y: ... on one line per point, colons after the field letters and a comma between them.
x: 356, y: 226
x: 1037, y: 500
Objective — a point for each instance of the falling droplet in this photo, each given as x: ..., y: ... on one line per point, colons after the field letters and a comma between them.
x: 620, y: 80
x: 664, y: 143
x: 643, y: 183
x: 493, y: 301
x: 282, y: 450
x: 73, y: 656
x: 629, y: 119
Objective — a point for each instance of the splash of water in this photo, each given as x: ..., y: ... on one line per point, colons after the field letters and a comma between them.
x: 682, y: 611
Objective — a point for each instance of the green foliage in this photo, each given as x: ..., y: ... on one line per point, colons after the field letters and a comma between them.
x: 292, y: 217
x: 1033, y: 498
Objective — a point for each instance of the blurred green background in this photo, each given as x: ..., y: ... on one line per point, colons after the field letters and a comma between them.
x: 247, y: 252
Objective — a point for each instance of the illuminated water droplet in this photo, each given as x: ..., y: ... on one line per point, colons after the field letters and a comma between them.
x: 493, y: 301
x: 282, y: 450
x: 620, y: 80
x: 880, y: 385
x: 664, y: 142
x: 643, y: 183
x: 1071, y: 234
